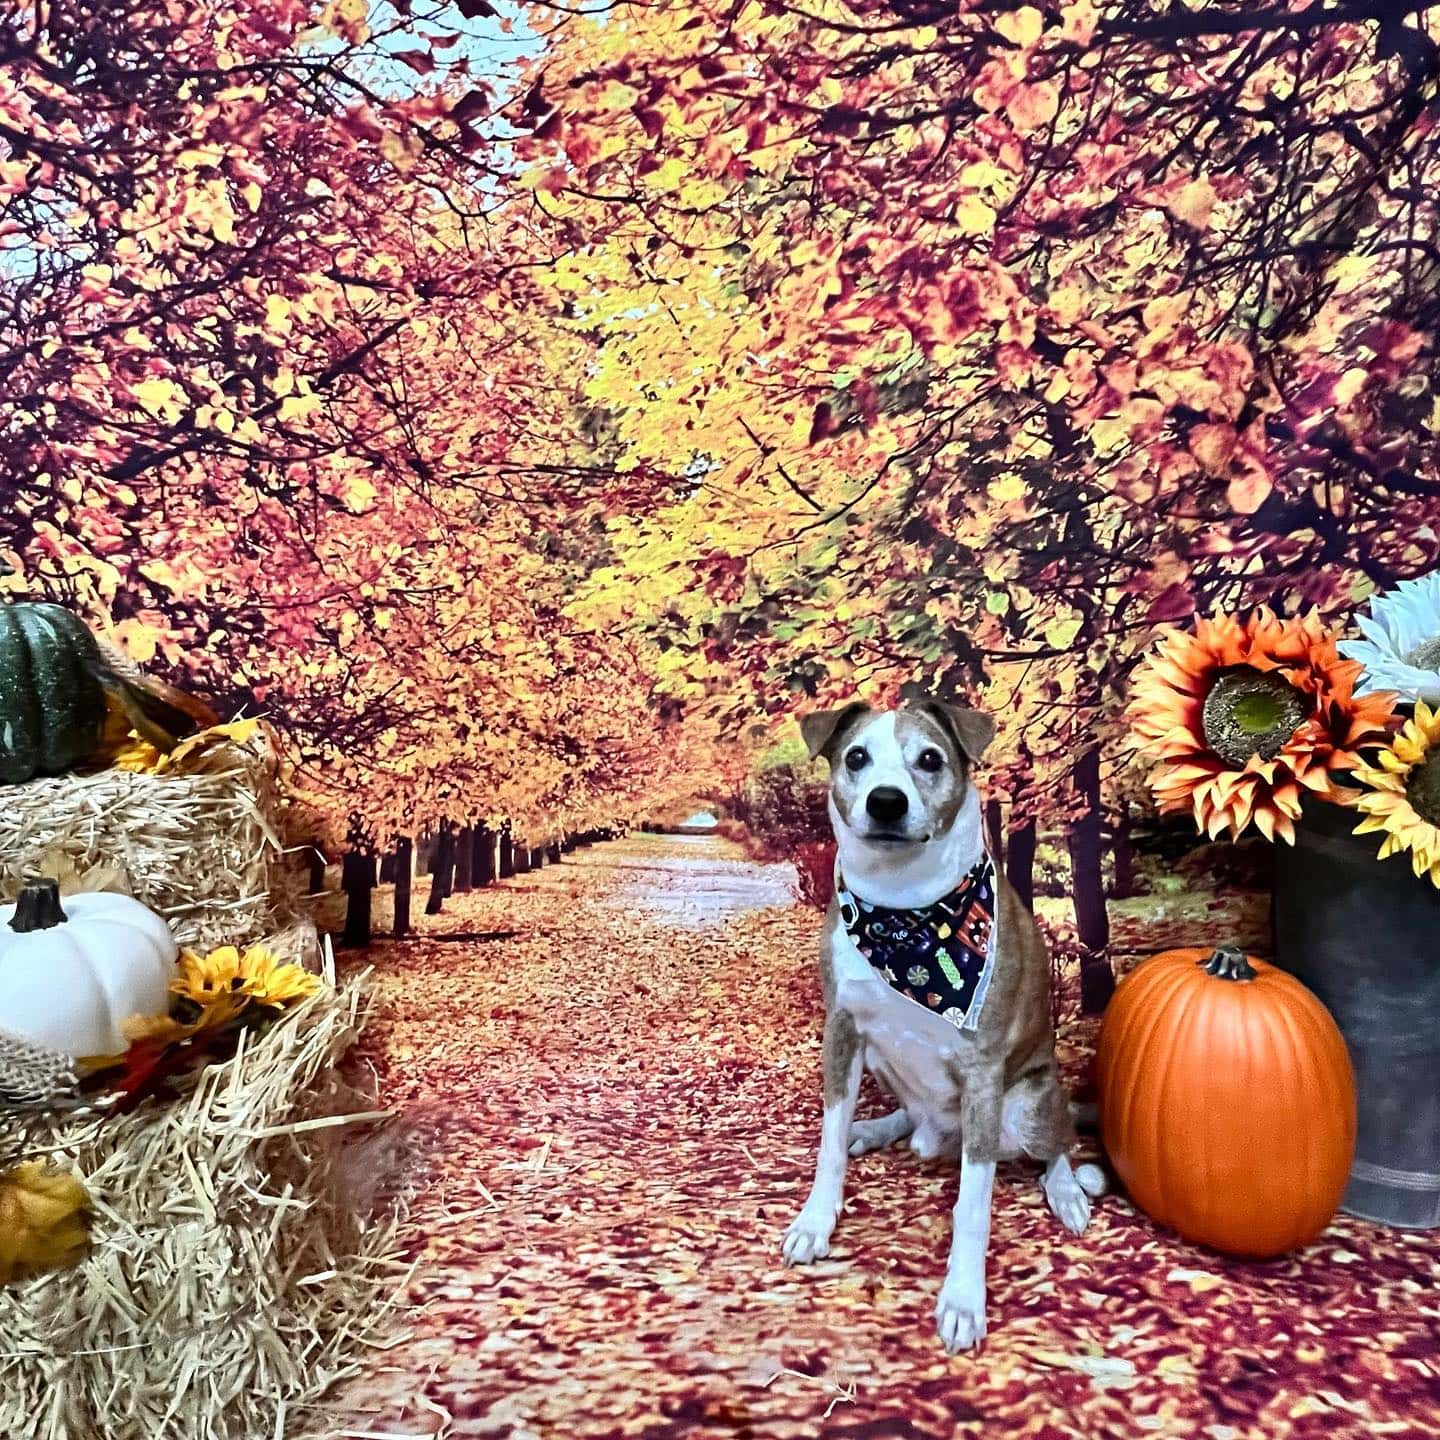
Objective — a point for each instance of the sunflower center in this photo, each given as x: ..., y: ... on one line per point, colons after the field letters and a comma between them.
x: 1251, y: 712
x: 1422, y: 788
x: 1425, y: 656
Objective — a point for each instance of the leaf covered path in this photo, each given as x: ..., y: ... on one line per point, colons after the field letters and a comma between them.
x: 619, y: 1106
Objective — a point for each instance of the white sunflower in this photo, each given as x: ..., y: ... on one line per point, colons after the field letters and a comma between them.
x: 1401, y: 648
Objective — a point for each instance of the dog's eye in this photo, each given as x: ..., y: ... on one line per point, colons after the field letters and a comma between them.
x: 931, y: 760
x: 855, y: 758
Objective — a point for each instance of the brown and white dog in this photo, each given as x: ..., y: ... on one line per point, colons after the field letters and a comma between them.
x: 981, y: 1086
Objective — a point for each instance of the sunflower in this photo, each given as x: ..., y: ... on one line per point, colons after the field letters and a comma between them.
x: 1246, y: 715
x: 1403, y: 801
x: 1401, y: 648
x: 256, y: 974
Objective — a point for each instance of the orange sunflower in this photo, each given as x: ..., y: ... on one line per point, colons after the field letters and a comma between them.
x: 1244, y: 716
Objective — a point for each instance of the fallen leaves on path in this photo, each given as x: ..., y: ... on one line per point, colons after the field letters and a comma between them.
x: 620, y: 1105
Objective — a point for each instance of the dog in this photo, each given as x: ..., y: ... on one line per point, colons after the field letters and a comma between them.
x: 935, y: 979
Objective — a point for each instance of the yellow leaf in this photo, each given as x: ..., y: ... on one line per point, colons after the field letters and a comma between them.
x: 1078, y: 19
x: 1349, y: 385
x: 200, y: 155
x: 359, y: 494
x: 346, y: 18
x: 277, y: 314
x: 974, y: 216
x: 43, y: 1213
x: 1021, y: 27
x: 159, y: 397
x: 297, y: 407
x: 1198, y: 1280
x: 1193, y: 203
x: 186, y: 756
x: 1059, y: 634
x: 1007, y: 487
x: 137, y: 639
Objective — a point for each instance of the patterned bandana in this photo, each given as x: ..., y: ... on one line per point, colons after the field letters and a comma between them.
x: 940, y: 956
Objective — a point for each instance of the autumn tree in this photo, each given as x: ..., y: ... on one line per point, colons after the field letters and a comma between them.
x: 992, y: 337
x: 284, y: 409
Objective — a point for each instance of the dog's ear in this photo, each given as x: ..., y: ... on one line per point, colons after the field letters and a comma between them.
x: 969, y: 729
x: 822, y: 728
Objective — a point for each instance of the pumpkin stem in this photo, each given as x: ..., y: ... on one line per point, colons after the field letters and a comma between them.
x: 38, y: 907
x: 1228, y: 963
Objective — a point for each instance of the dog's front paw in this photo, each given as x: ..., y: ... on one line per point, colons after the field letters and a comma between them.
x: 1067, y: 1198
x: 808, y: 1237
x: 960, y: 1315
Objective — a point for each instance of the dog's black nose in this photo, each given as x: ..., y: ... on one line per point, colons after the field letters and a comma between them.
x: 886, y: 804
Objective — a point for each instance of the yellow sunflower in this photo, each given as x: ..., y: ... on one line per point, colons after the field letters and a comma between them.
x: 1244, y: 716
x: 1403, y: 801
x: 255, y: 973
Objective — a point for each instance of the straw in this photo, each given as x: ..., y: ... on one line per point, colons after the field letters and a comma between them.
x: 246, y: 1250
x: 202, y: 849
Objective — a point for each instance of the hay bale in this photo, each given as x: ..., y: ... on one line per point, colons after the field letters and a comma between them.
x: 244, y: 1253
x: 203, y: 849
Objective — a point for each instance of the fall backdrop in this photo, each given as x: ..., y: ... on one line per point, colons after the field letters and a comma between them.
x: 528, y: 408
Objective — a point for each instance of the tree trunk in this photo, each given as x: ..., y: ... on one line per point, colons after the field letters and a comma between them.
x: 403, y: 866
x: 995, y: 831
x: 357, y: 880
x: 387, y: 868
x: 553, y: 853
x: 482, y: 865
x: 1020, y: 862
x: 464, y: 858
x: 567, y: 845
x: 440, y: 869
x: 507, y: 851
x: 520, y: 853
x: 537, y: 857
x: 1087, y: 879
x: 316, y: 862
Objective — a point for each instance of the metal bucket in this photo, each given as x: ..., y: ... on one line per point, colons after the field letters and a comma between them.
x: 1364, y: 935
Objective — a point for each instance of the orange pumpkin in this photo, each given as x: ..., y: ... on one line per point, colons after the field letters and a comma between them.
x: 1227, y: 1101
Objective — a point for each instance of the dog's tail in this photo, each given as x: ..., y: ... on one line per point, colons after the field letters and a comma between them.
x: 1086, y: 1116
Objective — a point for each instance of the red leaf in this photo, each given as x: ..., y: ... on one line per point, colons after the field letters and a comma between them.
x: 476, y: 9
x: 651, y: 121
x: 1174, y: 602
x: 470, y: 106
x: 422, y: 62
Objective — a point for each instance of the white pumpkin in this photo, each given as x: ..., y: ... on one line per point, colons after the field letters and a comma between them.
x: 71, y: 970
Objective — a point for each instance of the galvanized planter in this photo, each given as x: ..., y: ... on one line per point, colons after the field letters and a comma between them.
x: 1364, y: 935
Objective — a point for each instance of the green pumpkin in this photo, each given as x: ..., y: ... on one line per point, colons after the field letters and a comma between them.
x: 55, y: 687
x: 52, y: 692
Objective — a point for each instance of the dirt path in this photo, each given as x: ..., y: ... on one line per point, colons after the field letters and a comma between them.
x: 620, y: 1104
